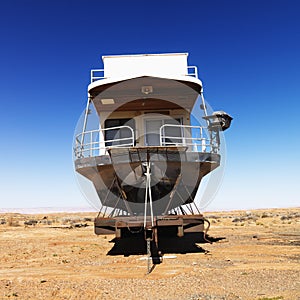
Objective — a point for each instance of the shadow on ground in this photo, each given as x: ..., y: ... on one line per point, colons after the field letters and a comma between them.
x: 136, y: 244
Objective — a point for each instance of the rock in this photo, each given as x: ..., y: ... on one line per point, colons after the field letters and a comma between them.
x: 79, y: 225
x: 235, y: 220
x: 87, y: 219
x: 252, y: 217
x: 212, y: 217
x: 267, y: 215
x: 31, y: 222
x: 46, y: 222
x: 71, y: 220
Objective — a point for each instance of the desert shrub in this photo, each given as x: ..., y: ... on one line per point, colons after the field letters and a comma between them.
x: 13, y: 222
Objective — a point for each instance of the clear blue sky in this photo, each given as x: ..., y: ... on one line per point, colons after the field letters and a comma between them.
x: 248, y: 55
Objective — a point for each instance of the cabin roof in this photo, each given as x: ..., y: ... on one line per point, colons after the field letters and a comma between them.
x: 145, y: 93
x: 145, y: 81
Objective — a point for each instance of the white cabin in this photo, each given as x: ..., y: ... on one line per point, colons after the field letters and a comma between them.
x: 143, y: 101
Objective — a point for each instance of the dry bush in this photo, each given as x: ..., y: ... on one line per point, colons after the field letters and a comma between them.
x: 13, y: 222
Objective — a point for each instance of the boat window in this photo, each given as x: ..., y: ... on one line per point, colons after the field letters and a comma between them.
x: 114, y: 135
x: 173, y: 135
x: 152, y: 132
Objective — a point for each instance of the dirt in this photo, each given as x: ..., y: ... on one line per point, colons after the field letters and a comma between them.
x: 254, y: 255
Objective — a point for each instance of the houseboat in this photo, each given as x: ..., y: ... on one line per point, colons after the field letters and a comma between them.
x: 153, y: 143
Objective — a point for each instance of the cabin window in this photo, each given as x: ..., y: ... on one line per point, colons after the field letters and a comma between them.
x: 173, y: 135
x: 123, y: 133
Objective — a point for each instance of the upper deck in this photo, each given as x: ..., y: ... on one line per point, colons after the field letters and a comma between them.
x: 142, y: 82
x: 131, y: 66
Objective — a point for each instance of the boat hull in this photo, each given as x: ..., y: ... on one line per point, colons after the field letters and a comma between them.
x: 120, y: 181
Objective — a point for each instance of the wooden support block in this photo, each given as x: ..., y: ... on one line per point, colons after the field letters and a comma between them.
x: 180, y: 232
x: 118, y: 233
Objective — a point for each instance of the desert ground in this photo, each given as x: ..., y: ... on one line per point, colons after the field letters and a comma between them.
x: 253, y: 255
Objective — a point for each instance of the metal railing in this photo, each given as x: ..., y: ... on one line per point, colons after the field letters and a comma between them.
x: 97, y: 74
x: 192, y: 71
x: 191, y: 136
x: 92, y: 143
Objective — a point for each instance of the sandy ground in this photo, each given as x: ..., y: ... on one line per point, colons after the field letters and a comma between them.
x: 255, y: 255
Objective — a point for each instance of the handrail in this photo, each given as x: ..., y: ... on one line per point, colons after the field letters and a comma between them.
x: 94, y: 72
x: 192, y: 71
x: 191, y: 136
x: 93, y: 142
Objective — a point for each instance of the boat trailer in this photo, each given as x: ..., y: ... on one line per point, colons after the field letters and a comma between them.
x: 180, y: 224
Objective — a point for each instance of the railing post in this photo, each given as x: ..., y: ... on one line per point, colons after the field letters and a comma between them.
x: 75, y: 148
x: 94, y: 77
x: 91, y: 139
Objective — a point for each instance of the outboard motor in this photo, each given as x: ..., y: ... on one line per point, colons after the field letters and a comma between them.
x: 224, y: 119
x: 219, y: 121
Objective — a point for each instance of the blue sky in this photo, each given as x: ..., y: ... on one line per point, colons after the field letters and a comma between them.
x: 248, y: 56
